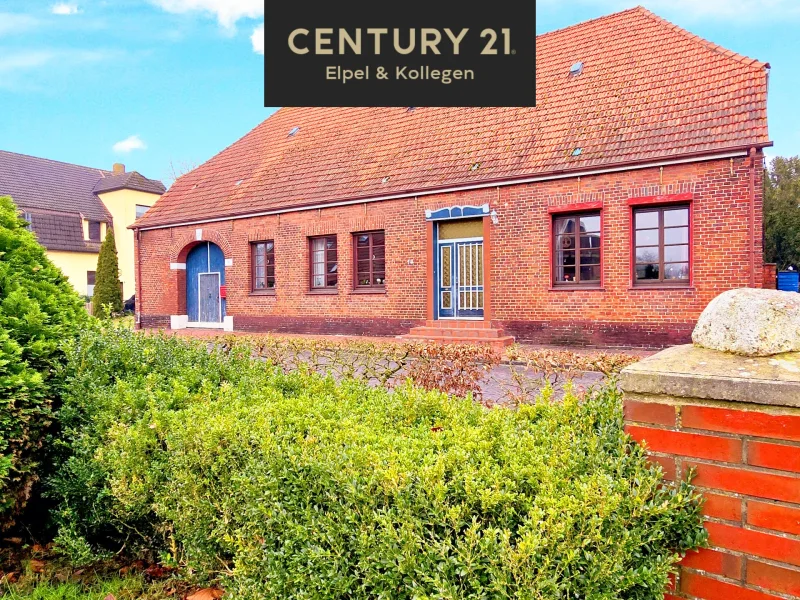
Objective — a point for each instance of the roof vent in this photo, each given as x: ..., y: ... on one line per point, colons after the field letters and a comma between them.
x: 475, y: 166
x: 576, y: 69
x: 293, y: 131
x: 239, y: 182
x: 386, y: 179
x: 577, y: 152
x: 410, y: 108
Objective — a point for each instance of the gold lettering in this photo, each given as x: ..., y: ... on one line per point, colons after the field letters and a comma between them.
x: 456, y: 39
x: 292, y: 45
x: 355, y: 44
x: 323, y: 42
x: 411, y: 41
x: 377, y: 33
x: 430, y: 43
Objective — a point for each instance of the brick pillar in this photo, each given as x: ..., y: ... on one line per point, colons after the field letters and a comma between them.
x: 735, y: 421
x: 770, y: 276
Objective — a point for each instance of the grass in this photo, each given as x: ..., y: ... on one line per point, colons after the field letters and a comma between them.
x: 127, y: 588
x: 132, y: 587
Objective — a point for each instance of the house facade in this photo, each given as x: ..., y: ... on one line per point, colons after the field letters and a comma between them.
x: 610, y: 214
x: 70, y: 207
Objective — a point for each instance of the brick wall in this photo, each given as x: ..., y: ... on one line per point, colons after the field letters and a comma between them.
x: 746, y: 460
x: 770, y: 276
x: 523, y: 301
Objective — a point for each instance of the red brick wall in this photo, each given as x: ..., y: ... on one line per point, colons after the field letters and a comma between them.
x: 747, y: 465
x: 522, y: 299
x: 770, y: 276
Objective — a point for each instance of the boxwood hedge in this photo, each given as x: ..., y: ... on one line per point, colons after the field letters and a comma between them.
x: 300, y: 486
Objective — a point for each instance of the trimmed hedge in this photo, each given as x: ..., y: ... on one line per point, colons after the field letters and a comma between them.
x: 38, y: 310
x: 298, y: 486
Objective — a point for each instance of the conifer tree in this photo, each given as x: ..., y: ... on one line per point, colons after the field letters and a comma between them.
x: 107, y: 288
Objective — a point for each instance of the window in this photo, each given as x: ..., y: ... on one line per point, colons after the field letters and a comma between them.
x: 576, y: 250
x: 370, y: 259
x: 29, y: 218
x: 90, y: 275
x: 263, y: 261
x: 324, y: 265
x: 94, y: 231
x: 661, y: 245
x: 140, y: 210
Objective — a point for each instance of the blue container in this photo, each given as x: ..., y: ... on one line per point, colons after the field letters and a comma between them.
x: 788, y: 281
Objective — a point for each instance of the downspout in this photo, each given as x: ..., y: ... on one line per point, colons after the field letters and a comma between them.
x: 138, y: 299
x: 752, y: 217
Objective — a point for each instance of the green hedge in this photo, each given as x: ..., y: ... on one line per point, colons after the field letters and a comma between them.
x: 302, y: 487
x: 38, y: 311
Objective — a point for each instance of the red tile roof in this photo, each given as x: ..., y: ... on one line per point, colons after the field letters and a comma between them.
x: 649, y: 90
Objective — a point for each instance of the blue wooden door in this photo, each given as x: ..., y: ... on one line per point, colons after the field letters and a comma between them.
x: 204, y: 260
x: 209, y: 301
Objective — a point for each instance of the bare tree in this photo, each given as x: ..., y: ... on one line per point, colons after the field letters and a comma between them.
x: 177, y: 170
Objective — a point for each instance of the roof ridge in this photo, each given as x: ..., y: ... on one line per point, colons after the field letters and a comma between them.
x: 594, y: 20
x: 740, y: 58
x: 60, y: 162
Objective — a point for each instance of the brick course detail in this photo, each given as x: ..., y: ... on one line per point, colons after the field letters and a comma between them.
x: 522, y: 298
x: 745, y: 464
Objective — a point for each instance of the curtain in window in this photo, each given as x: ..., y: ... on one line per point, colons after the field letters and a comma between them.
x: 565, y: 249
x: 318, y: 261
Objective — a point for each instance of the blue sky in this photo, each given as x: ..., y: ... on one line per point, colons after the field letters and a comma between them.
x: 154, y: 83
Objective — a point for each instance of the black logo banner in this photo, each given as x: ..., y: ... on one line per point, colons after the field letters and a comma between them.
x: 412, y: 53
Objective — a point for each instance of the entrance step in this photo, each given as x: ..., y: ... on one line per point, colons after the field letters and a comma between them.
x: 461, y: 332
x: 460, y: 324
x: 458, y: 333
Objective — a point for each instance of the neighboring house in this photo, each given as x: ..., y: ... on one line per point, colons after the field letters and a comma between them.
x: 70, y: 207
x: 611, y: 213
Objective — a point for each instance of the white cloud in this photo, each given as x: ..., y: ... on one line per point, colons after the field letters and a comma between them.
x: 227, y: 12
x: 25, y: 60
x: 64, y: 8
x: 258, y: 39
x: 14, y: 23
x: 130, y: 144
x: 31, y: 70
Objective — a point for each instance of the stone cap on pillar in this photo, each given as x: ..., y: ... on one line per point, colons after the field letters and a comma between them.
x: 699, y: 373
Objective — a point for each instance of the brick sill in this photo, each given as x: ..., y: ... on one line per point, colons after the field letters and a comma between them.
x: 369, y: 291
x: 577, y: 288
x: 263, y: 293
x: 323, y: 292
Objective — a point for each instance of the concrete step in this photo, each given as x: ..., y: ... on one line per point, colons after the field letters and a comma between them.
x: 457, y: 332
x: 460, y: 324
x: 498, y: 344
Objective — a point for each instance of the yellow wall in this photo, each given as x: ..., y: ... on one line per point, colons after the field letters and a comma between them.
x: 122, y: 206
x: 74, y: 265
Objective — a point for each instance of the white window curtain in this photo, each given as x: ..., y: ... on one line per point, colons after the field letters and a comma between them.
x: 318, y: 261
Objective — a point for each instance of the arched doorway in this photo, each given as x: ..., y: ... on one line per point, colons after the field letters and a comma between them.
x: 205, y: 280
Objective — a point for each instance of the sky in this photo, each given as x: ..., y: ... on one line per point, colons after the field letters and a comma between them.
x: 163, y: 85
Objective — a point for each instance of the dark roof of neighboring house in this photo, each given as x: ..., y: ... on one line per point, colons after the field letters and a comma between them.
x: 648, y: 91
x: 129, y: 181
x: 60, y: 231
x: 59, y: 195
x: 51, y: 185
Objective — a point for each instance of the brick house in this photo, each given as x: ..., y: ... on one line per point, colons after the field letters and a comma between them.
x: 609, y: 214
